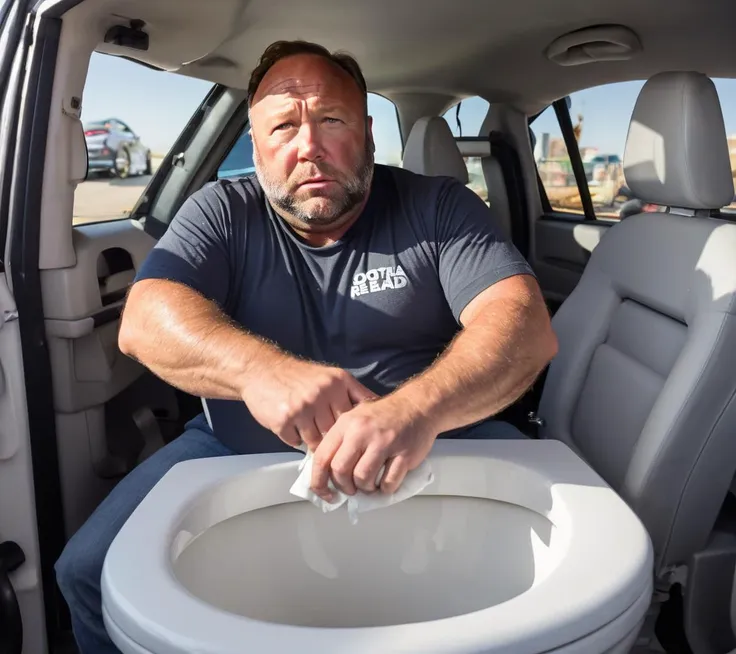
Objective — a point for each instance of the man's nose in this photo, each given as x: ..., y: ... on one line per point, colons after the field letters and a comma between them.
x: 309, y: 141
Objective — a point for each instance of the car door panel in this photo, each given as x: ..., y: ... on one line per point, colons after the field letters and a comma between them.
x: 561, y: 252
x: 82, y: 306
x: 23, y: 614
x: 98, y: 392
x: 17, y: 497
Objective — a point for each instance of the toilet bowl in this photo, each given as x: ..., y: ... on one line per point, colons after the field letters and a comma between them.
x: 517, y: 546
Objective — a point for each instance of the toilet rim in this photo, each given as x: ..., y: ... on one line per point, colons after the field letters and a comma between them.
x: 606, y: 570
x: 603, y: 639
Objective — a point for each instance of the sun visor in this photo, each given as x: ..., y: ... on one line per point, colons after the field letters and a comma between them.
x: 144, y: 30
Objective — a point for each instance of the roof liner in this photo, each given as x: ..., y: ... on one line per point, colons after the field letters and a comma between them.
x: 454, y: 48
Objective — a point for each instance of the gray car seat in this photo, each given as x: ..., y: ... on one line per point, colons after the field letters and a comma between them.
x: 643, y: 386
x: 431, y: 150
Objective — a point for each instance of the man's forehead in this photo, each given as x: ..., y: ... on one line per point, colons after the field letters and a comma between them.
x: 296, y: 87
x: 301, y: 76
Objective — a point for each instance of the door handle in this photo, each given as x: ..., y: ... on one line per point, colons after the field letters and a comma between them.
x: 11, y: 623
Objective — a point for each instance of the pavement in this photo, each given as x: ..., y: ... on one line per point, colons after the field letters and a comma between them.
x: 104, y: 198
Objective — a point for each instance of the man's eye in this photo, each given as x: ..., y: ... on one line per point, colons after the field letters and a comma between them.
x: 282, y: 126
x: 332, y: 121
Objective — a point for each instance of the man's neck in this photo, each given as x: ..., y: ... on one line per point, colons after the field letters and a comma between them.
x: 324, y: 235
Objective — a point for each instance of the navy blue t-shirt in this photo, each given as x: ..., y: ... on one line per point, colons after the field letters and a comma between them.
x: 381, y: 303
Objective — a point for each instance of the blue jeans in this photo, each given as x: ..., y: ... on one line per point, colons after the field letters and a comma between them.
x: 79, y: 569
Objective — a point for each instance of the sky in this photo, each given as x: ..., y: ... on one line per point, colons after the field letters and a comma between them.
x: 157, y: 105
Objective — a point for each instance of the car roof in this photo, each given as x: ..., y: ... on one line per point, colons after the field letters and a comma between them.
x: 449, y: 49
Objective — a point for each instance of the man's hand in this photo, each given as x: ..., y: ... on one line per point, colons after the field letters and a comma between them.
x: 362, y: 440
x: 300, y: 400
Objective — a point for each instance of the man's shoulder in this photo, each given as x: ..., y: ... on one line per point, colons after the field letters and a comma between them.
x: 224, y: 206
x: 407, y: 181
x: 431, y: 192
x: 426, y: 196
x: 246, y: 189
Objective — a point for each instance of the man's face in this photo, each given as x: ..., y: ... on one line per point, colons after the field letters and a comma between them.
x: 313, y: 151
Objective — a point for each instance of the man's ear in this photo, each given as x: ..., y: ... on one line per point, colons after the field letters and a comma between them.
x: 369, y: 133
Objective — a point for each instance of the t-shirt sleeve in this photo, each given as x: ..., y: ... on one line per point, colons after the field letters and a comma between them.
x: 472, y: 250
x: 195, y: 248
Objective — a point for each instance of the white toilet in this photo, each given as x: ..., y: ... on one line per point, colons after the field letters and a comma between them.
x: 517, y: 546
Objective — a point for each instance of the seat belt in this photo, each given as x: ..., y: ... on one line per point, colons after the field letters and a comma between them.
x: 508, y: 158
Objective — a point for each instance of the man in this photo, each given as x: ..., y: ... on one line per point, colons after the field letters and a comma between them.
x: 360, y: 309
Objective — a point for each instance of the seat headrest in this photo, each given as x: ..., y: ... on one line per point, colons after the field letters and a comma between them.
x: 676, y: 150
x: 431, y: 150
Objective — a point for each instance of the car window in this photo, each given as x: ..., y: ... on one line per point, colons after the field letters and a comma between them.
x: 239, y: 161
x: 476, y: 179
x: 600, y: 118
x: 386, y: 135
x: 131, y: 115
x: 473, y: 112
x: 386, y: 131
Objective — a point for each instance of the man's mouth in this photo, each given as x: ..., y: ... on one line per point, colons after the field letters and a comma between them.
x: 316, y: 182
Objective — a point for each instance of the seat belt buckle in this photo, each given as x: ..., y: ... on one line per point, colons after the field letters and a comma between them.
x: 536, y: 423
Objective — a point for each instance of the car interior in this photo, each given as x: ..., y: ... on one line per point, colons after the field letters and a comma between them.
x: 643, y: 387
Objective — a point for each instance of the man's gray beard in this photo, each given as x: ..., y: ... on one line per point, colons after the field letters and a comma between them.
x: 351, y: 192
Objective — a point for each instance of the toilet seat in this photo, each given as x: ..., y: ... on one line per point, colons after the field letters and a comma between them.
x: 601, y: 585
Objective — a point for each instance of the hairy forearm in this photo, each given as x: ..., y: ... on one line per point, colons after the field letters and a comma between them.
x: 489, y: 365
x: 186, y: 340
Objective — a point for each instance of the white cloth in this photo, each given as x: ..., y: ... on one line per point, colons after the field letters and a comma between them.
x: 415, y: 481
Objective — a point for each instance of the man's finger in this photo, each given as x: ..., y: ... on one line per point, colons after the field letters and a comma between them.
x: 340, y: 403
x: 368, y: 468
x: 359, y: 393
x: 308, y: 433
x: 394, y: 474
x: 290, y: 436
x: 323, y: 419
x: 343, y: 464
x: 321, y: 463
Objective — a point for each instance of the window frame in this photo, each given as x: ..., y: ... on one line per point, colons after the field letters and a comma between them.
x: 13, y: 21
x: 142, y: 209
x: 561, y: 108
x: 20, y: 202
x: 562, y: 111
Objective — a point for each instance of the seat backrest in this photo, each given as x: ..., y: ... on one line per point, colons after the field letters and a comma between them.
x: 431, y: 149
x: 643, y: 386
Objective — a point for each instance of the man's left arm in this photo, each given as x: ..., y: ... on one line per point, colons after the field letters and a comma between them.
x: 505, y: 341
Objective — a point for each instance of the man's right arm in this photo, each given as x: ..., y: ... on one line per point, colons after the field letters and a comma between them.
x: 189, y: 342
